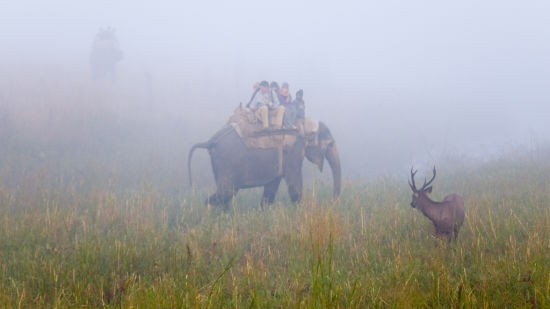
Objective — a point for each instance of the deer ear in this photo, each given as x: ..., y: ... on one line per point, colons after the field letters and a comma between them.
x: 428, y: 189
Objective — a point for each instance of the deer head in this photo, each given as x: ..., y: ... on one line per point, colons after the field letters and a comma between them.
x: 421, y: 195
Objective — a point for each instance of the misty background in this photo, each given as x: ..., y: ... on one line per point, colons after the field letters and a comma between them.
x: 398, y: 83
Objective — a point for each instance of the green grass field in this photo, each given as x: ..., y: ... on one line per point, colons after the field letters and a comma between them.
x: 369, y: 249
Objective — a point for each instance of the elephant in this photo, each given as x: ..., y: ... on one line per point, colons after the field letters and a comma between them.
x: 105, y: 54
x: 237, y: 167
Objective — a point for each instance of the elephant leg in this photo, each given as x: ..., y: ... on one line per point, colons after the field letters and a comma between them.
x: 270, y: 190
x: 222, y: 198
x: 214, y: 199
x: 295, y: 184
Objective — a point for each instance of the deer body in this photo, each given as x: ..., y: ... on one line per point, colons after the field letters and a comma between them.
x: 447, y: 216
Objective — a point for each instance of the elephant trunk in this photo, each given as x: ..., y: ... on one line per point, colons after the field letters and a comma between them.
x: 334, y: 161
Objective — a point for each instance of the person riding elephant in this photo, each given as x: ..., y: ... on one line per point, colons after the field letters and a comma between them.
x: 294, y: 110
x: 265, y: 103
x: 284, y: 95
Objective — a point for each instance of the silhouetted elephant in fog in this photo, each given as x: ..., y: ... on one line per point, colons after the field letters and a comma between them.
x: 105, y: 54
x: 237, y: 167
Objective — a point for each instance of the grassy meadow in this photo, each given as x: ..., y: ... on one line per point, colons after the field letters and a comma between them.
x: 94, y: 212
x: 369, y: 249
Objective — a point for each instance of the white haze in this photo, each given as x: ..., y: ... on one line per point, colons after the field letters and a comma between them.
x: 397, y: 82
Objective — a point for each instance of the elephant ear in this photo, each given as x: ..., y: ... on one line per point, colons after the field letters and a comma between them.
x: 318, y: 145
x: 316, y: 155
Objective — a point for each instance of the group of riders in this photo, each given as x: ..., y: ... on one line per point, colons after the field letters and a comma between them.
x: 274, y: 105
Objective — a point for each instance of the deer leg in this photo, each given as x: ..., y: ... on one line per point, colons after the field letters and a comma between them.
x: 441, y: 233
x: 437, y: 232
x: 456, y: 229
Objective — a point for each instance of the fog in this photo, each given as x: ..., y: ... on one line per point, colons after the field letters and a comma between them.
x: 399, y: 83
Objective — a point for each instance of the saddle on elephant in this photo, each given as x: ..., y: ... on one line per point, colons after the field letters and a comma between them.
x: 247, y: 125
x: 250, y: 129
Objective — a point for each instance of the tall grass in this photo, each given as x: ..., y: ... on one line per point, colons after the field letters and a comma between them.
x: 146, y: 249
x: 92, y: 214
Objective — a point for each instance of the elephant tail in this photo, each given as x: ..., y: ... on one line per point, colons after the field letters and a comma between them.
x: 206, y: 145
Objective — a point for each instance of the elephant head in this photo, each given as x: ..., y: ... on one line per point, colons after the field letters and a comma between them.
x: 322, y: 146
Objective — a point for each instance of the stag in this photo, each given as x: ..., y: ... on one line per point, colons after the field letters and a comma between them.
x: 447, y: 215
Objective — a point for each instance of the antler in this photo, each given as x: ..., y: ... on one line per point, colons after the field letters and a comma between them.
x: 429, y: 182
x: 413, y: 186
